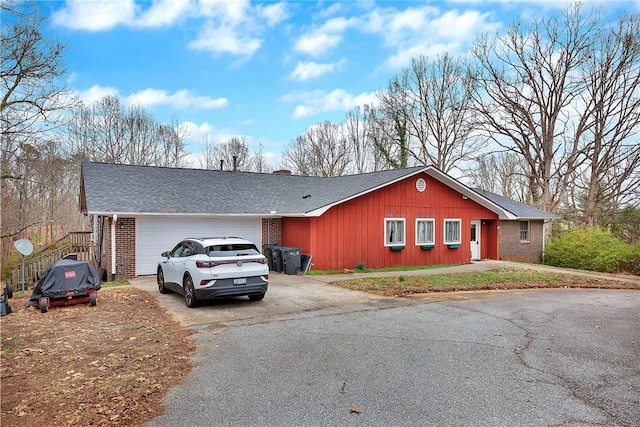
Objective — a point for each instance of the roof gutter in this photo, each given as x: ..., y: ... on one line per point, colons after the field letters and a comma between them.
x: 179, y: 214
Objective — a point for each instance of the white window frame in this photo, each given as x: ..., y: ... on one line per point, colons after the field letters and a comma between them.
x: 452, y: 220
x: 404, y: 232
x: 528, y: 231
x: 433, y: 231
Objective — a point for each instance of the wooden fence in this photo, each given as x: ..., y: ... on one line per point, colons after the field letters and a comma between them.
x: 78, y: 244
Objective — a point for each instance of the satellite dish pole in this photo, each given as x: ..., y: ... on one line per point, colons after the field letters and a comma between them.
x: 25, y: 247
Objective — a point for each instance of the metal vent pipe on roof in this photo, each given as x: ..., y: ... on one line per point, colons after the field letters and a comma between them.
x: 235, y: 163
x: 221, y: 164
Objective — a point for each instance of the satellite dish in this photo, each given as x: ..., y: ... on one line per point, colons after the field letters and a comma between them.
x: 24, y: 246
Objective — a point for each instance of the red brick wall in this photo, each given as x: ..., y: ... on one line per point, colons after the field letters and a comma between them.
x: 125, y: 248
x: 271, y: 231
x: 512, y: 249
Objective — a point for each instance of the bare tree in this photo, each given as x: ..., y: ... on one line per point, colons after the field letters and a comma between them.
x: 234, y: 152
x: 429, y: 108
x: 390, y: 123
x: 528, y: 82
x: 612, y: 78
x: 171, y: 137
x: 97, y: 131
x: 323, y: 150
x: 442, y: 120
x: 259, y: 160
x: 207, y: 158
x: 31, y: 71
x: 500, y: 173
x: 106, y: 131
x: 33, y: 101
x: 357, y: 131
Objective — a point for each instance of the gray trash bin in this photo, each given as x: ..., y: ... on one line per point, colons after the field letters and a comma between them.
x: 291, y: 259
x: 276, y: 258
x: 267, y: 251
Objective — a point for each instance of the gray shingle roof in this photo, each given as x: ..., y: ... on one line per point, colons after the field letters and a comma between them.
x: 111, y: 188
x: 129, y: 189
x: 521, y: 210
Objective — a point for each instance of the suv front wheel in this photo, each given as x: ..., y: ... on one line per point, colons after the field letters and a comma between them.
x: 160, y: 280
x: 189, y: 293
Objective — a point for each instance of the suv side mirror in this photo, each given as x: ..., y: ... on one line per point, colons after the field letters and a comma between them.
x: 165, y: 254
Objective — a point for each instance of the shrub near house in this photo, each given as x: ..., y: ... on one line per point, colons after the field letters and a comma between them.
x: 593, y: 249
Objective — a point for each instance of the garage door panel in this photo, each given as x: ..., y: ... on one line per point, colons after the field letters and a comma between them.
x: 156, y: 235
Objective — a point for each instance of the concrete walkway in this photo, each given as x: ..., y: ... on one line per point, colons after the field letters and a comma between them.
x: 474, y: 266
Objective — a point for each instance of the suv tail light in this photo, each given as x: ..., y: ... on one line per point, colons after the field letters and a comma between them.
x: 207, y: 264
x: 211, y: 264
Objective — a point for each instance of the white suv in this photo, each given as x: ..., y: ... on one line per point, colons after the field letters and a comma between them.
x: 213, y: 267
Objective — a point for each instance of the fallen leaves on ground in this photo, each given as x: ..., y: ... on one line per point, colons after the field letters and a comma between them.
x: 80, y: 365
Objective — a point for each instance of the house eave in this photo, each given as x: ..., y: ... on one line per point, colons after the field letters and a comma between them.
x: 533, y: 218
x: 181, y: 214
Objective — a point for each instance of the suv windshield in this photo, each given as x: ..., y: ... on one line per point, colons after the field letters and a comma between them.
x: 235, y: 249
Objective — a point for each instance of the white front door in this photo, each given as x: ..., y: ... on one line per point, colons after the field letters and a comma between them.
x: 475, y: 239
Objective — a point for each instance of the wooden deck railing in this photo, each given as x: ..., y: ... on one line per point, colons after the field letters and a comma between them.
x: 78, y: 243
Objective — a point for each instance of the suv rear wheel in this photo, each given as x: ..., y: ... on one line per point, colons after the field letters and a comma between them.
x: 189, y: 293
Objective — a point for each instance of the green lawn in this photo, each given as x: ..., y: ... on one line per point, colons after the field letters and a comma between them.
x: 403, y: 285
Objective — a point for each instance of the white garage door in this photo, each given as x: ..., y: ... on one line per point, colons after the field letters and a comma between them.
x: 156, y: 235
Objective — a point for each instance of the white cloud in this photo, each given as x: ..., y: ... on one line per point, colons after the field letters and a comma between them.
x: 95, y: 15
x: 461, y: 27
x: 274, y: 13
x: 318, y: 102
x: 402, y: 57
x: 197, y: 132
x: 316, y: 44
x: 236, y: 27
x: 164, y: 12
x: 225, y: 39
x: 96, y: 93
x: 226, y: 26
x: 425, y: 30
x: 310, y: 70
x: 102, y: 15
x: 422, y: 29
x: 182, y: 99
x: 234, y: 11
x: 319, y: 41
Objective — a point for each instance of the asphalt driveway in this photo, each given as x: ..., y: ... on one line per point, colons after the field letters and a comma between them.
x: 311, y: 354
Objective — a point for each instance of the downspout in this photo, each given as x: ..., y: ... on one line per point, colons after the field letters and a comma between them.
x: 113, y: 247
x: 544, y: 238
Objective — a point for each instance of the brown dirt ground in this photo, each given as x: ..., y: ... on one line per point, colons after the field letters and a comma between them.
x: 79, y: 365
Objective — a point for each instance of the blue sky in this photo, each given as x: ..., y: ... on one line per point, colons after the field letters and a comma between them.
x: 266, y: 70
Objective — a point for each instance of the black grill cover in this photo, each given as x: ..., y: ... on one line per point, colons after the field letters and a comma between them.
x: 66, y: 276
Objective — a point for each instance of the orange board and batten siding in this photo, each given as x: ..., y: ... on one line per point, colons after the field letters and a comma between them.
x: 353, y: 231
